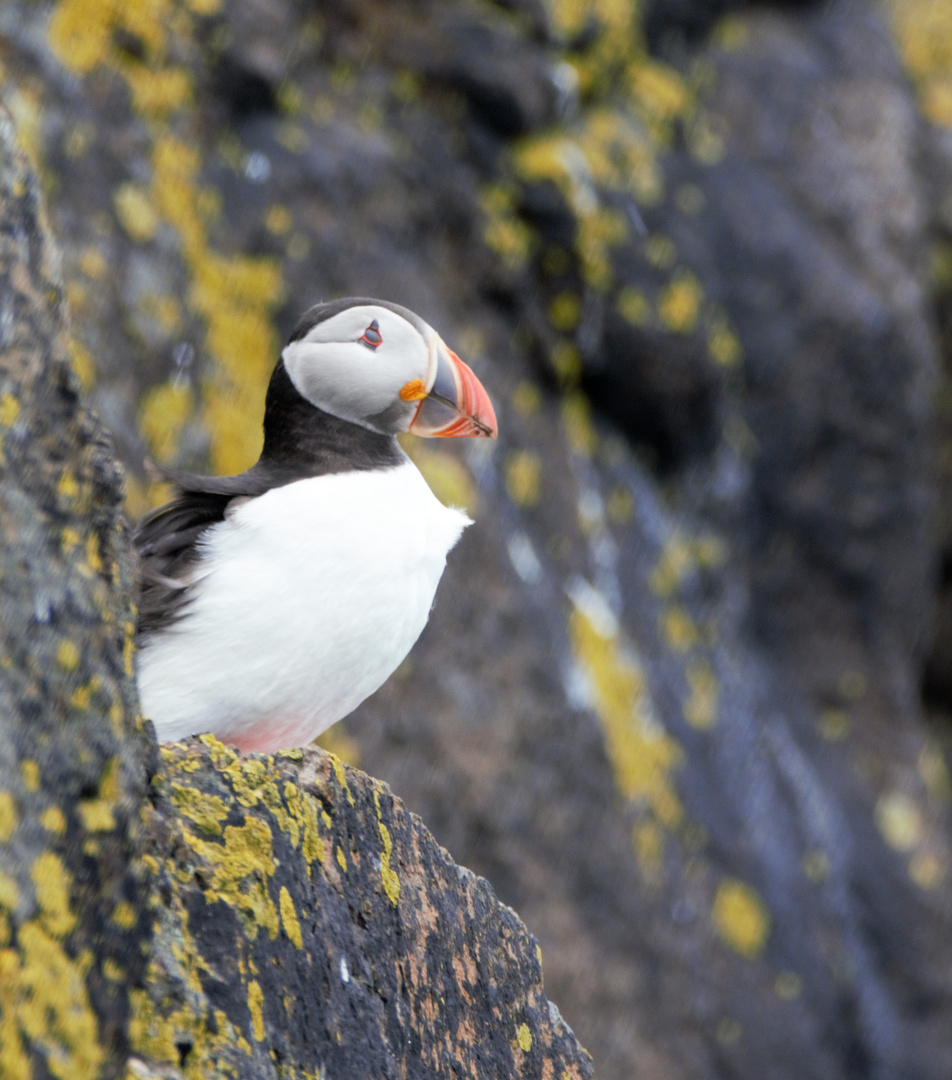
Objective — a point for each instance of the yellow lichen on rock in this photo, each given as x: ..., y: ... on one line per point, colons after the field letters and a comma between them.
x: 740, y: 917
x: 136, y: 211
x: 503, y: 231
x: 899, y: 820
x: 52, y: 820
x: 206, y: 811
x: 391, y: 882
x: 700, y: 709
x: 9, y: 410
x: 30, y: 772
x: 523, y: 477
x: 679, y: 305
x: 235, y: 295
x: 255, y: 1001
x: 289, y: 919
x: 52, y: 884
x: 923, y: 32
x: 524, y: 1038
x: 642, y: 754
x: 678, y: 629
x: 8, y: 816
x: 45, y: 1008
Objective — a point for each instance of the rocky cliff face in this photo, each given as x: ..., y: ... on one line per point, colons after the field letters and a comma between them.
x: 198, y: 915
x: 668, y: 702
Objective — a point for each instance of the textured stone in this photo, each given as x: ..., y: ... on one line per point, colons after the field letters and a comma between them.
x: 73, y: 921
x: 667, y: 703
x: 308, y: 921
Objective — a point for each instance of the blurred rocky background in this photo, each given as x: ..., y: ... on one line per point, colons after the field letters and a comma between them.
x: 685, y: 696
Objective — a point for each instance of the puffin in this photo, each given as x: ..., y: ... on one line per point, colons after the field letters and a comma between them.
x: 272, y: 603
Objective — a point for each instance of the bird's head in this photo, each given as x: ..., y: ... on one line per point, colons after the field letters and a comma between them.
x: 379, y: 365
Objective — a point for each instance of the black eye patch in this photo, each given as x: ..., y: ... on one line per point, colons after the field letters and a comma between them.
x: 372, y: 337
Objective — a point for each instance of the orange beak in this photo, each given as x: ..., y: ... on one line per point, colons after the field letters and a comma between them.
x: 456, y: 404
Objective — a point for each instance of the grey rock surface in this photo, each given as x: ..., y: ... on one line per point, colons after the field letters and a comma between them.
x: 668, y: 702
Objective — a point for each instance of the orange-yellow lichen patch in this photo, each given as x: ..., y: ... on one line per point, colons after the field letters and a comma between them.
x: 679, y: 304
x: 8, y: 816
x: 524, y: 1038
x: 45, y: 1010
x: 391, y: 882
x: 67, y: 486
x: 9, y: 892
x: 206, y: 811
x: 136, y: 211
x: 53, y: 820
x: 566, y: 361
x: 662, y: 91
x: 97, y: 814
x: 674, y: 564
x: 899, y: 820
x: 93, y: 264
x: 67, y: 655
x: 722, y: 343
x: 740, y: 917
x: 523, y: 476
x: 678, y: 628
x: 279, y: 220
x: 504, y: 232
x: 30, y: 772
x: 9, y: 410
x: 923, y: 32
x: 341, y: 773
x: 927, y: 869
x: 633, y: 306
x: 69, y: 539
x: 124, y: 915
x: 577, y: 423
x: 255, y: 1001
x: 289, y: 919
x: 700, y: 710
x: 565, y: 311
x: 53, y: 884
x: 242, y: 866
x: 642, y: 754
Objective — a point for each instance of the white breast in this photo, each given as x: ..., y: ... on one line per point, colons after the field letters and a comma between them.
x: 306, y: 599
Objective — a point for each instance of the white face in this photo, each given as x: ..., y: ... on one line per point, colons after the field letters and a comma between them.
x: 350, y: 378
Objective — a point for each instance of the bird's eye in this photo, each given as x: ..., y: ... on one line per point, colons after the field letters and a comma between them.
x: 372, y: 337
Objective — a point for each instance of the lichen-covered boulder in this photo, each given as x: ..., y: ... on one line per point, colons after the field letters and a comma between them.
x: 306, y: 921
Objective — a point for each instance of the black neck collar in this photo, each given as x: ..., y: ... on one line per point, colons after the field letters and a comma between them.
x: 304, y: 440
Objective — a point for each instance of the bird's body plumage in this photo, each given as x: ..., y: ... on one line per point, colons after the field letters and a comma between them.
x: 301, y: 602
x: 272, y: 603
